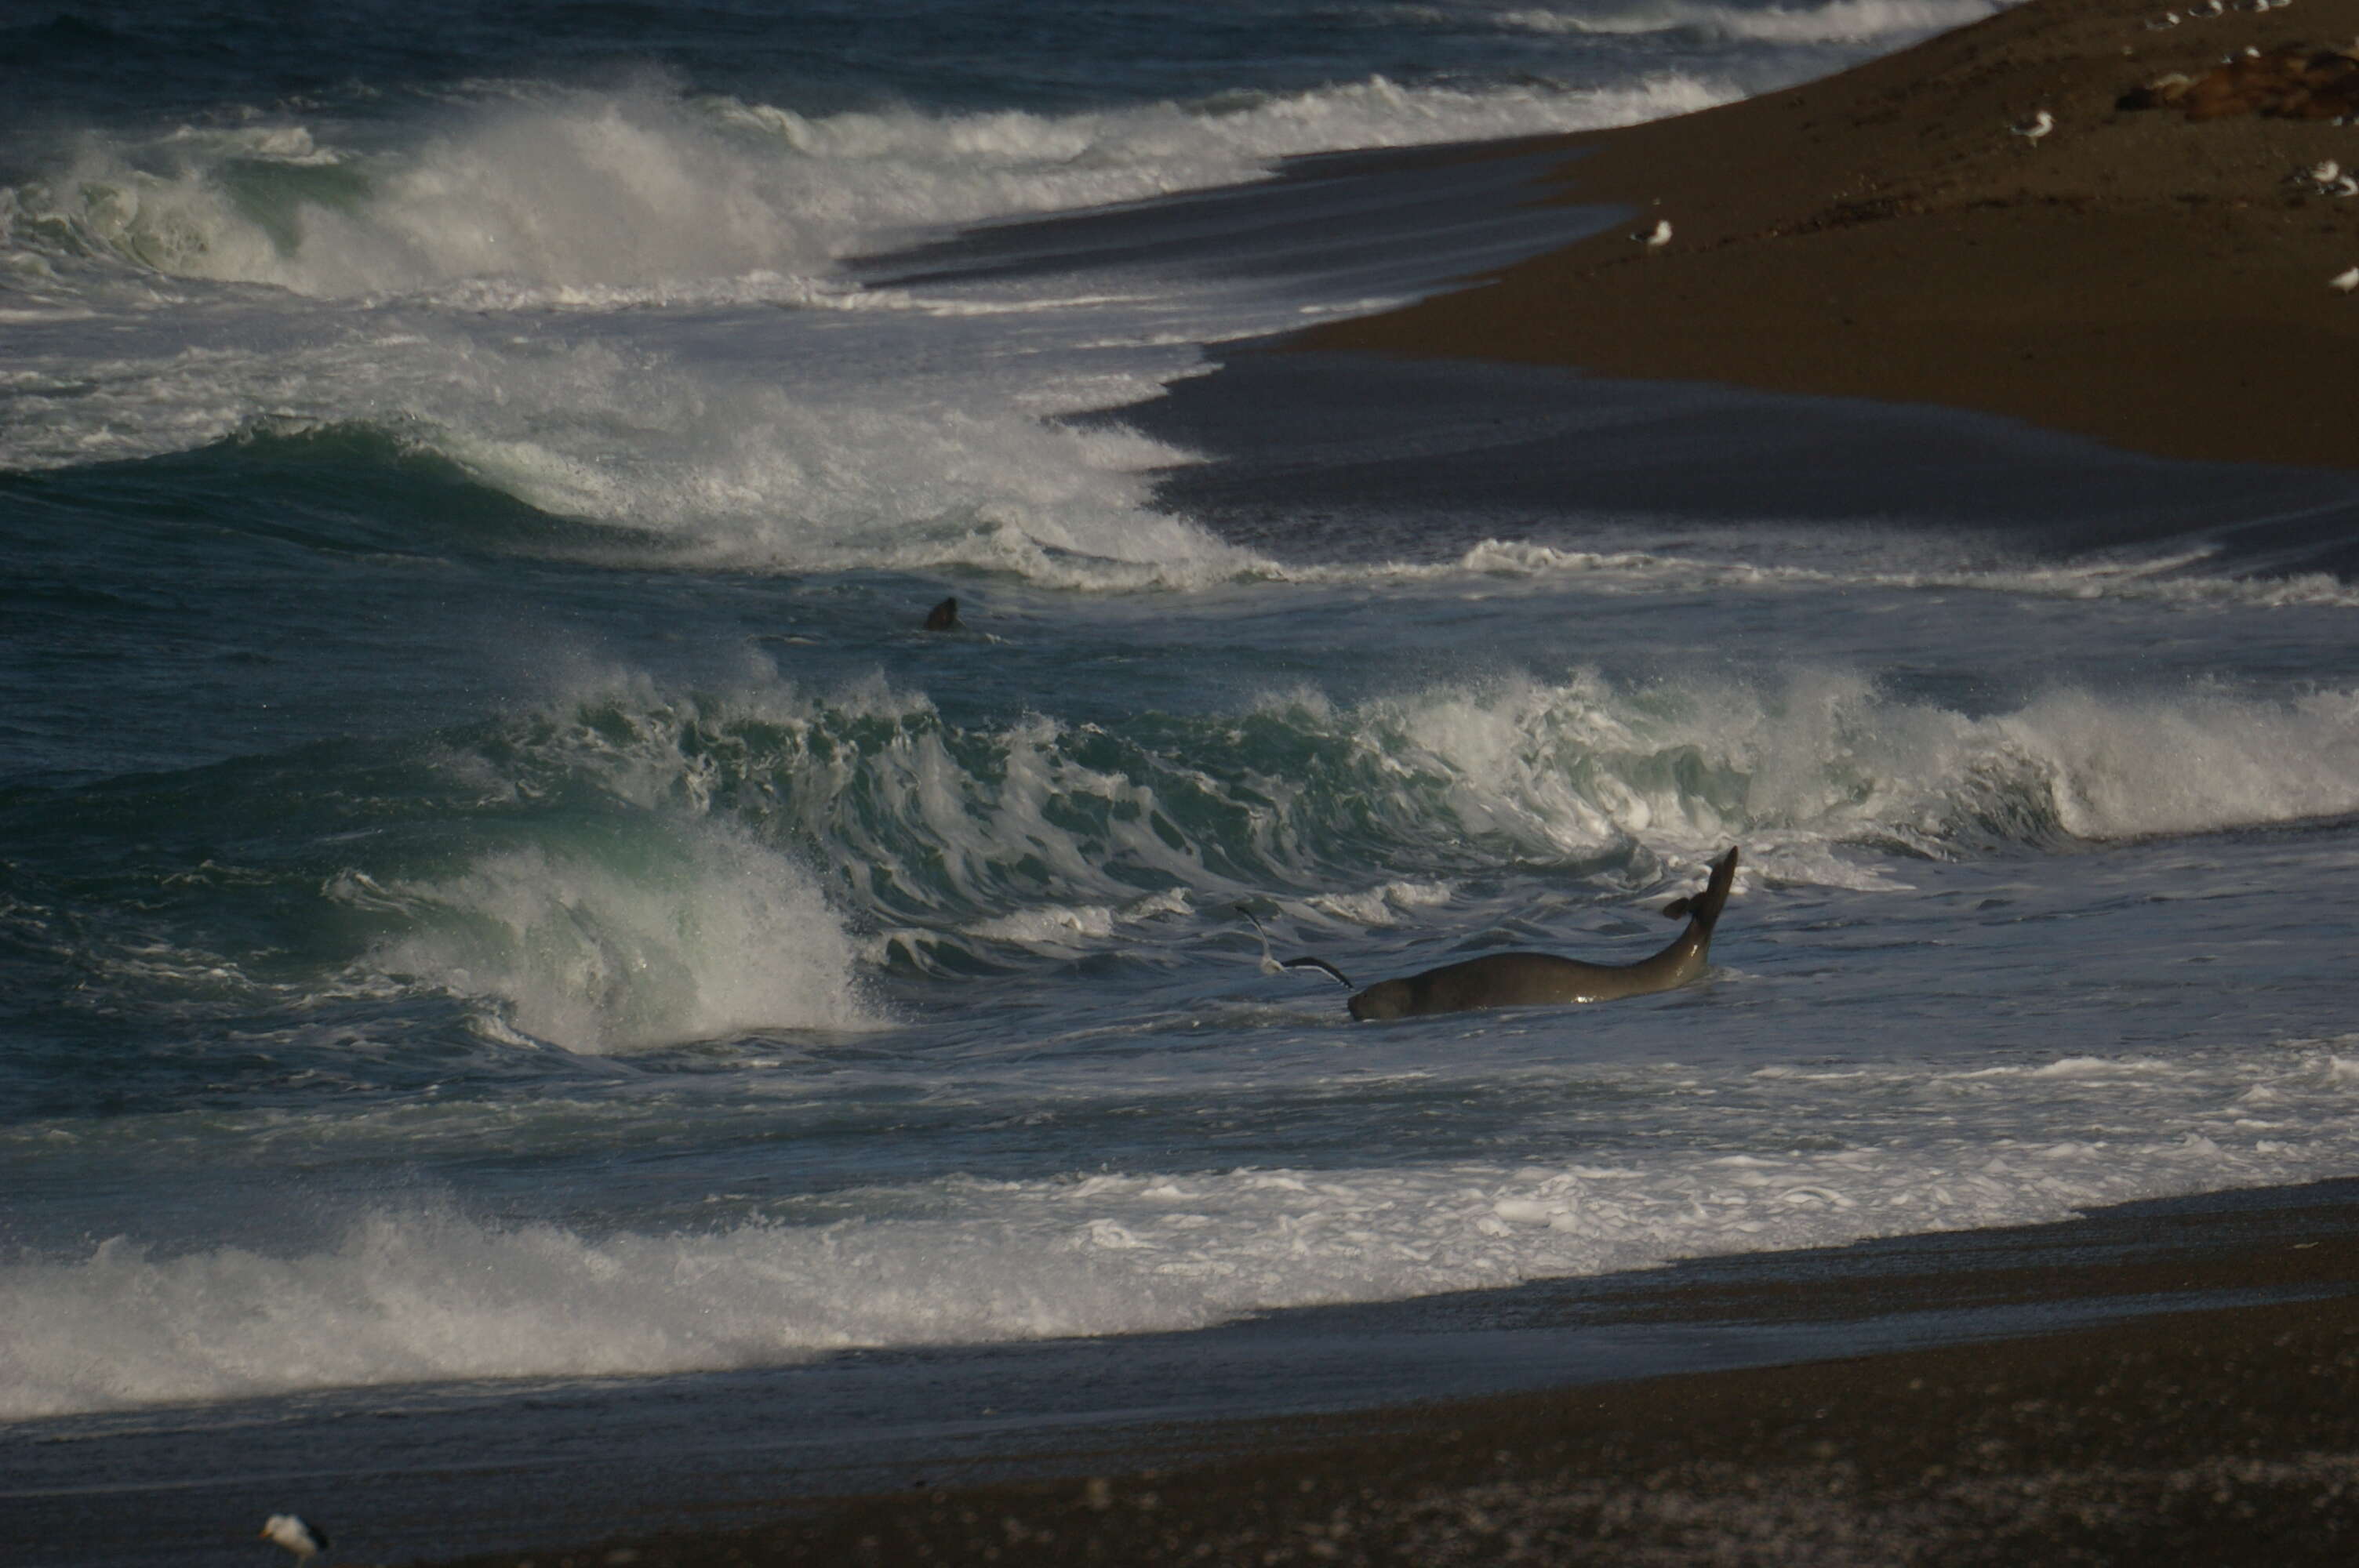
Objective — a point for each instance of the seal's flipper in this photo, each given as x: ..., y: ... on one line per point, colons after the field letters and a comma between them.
x: 1705, y: 906
x: 1322, y: 966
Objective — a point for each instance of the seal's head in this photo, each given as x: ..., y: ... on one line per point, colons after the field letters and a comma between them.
x: 1386, y: 999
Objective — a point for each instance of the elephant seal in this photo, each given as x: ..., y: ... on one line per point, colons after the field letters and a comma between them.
x: 944, y: 617
x: 1522, y: 979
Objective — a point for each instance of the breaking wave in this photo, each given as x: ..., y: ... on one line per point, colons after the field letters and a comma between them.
x: 428, y: 1293
x: 609, y: 198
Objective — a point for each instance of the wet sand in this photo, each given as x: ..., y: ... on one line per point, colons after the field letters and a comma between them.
x: 2152, y: 281
x: 2225, y: 1435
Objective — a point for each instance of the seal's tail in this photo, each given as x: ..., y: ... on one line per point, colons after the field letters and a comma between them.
x: 1704, y: 908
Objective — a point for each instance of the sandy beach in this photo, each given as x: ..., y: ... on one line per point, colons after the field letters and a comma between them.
x: 2223, y: 1435
x: 2156, y: 281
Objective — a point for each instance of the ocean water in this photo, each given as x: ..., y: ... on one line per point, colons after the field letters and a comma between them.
x: 497, y: 882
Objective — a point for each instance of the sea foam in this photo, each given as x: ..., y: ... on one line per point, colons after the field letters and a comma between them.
x: 1041, y: 828
x: 1842, y: 21
x: 580, y: 191
x: 426, y: 1293
x: 612, y: 942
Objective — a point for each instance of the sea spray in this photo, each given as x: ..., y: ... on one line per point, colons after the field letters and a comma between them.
x: 625, y: 940
x: 925, y: 819
x: 638, y: 862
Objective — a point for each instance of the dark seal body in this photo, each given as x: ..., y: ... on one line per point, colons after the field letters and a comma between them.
x: 1524, y: 979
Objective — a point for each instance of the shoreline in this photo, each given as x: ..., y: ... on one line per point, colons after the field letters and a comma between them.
x: 2229, y: 1434
x: 2150, y: 281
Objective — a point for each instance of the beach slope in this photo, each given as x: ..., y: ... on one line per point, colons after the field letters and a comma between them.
x: 2224, y: 1436
x: 2151, y: 279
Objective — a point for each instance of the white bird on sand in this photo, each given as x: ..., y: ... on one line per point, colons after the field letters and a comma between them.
x: 2346, y: 186
x: 2324, y: 170
x: 1659, y: 237
x: 296, y: 1536
x: 2038, y: 126
x: 2344, y: 282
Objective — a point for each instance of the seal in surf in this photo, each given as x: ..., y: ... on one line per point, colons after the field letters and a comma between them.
x: 1523, y: 979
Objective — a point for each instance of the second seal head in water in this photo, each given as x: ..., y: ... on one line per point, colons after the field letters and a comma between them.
x: 1520, y: 979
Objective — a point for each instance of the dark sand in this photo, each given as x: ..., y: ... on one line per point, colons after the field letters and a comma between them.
x: 2150, y: 281
x: 2216, y: 1436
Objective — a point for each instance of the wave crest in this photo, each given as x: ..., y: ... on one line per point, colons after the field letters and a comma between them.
x: 1054, y: 828
x: 576, y: 194
x: 634, y: 940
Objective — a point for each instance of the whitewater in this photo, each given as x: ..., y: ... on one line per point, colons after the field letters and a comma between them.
x: 502, y: 900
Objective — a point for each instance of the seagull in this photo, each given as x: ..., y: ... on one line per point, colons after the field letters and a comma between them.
x: 2346, y: 186
x: 2324, y: 170
x: 2157, y: 23
x: 298, y: 1538
x: 2038, y: 126
x: 2207, y: 9
x: 1272, y: 965
x: 1659, y: 237
x: 2344, y: 282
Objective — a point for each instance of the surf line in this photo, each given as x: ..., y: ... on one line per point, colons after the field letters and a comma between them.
x: 1525, y: 979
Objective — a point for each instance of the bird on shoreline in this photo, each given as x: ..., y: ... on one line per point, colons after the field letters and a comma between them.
x: 2157, y: 23
x: 2038, y: 126
x: 2324, y: 178
x: 291, y: 1532
x: 1657, y: 237
x: 2344, y: 282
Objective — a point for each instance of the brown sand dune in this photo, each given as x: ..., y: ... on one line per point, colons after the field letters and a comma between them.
x: 2153, y: 281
